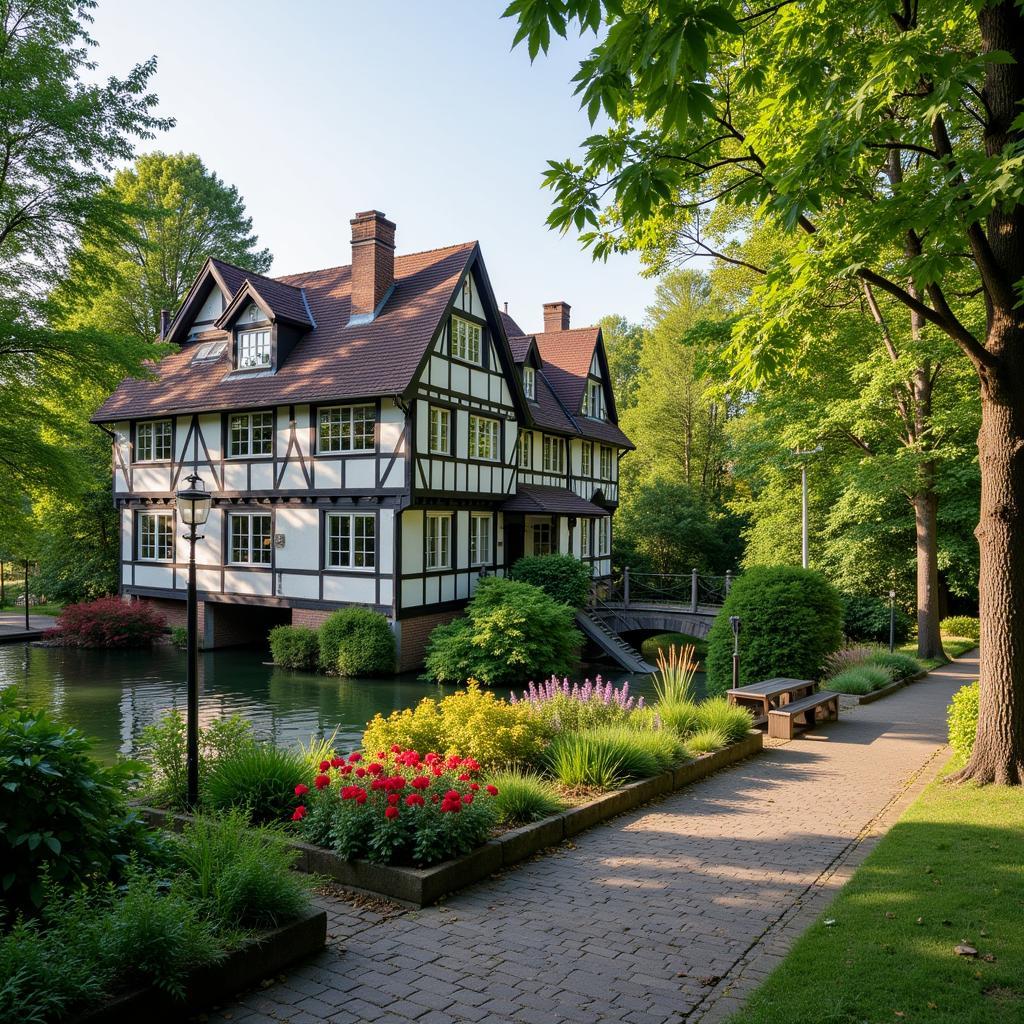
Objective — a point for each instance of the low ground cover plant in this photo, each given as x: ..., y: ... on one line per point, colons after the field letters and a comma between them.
x: 562, y: 705
x: 860, y: 680
x: 397, y: 807
x: 295, y: 647
x: 962, y: 719
x: 107, y: 622
x: 562, y: 577
x: 961, y: 626
x: 356, y: 642
x: 862, y: 670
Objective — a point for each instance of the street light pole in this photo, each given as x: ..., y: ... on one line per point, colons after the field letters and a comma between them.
x: 892, y: 621
x: 734, y: 624
x: 194, y: 507
x: 804, y: 548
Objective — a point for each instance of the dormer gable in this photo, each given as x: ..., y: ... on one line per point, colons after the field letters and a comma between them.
x: 265, y: 320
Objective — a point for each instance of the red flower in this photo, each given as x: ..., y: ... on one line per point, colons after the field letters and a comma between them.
x: 337, y: 762
x: 414, y: 800
x: 493, y: 790
x: 451, y: 808
x: 468, y: 798
x: 420, y: 782
x: 325, y: 766
x: 395, y: 748
x: 356, y: 793
x: 431, y: 758
x: 301, y: 788
x: 355, y: 756
x: 360, y: 772
x: 454, y: 761
x: 380, y: 755
x: 474, y: 786
x: 322, y: 780
x: 379, y: 784
x: 436, y: 769
x: 434, y: 799
x: 453, y: 794
x: 393, y: 798
x: 472, y: 764
x: 299, y: 813
x: 345, y: 769
x: 464, y: 777
x: 375, y: 768
x: 390, y: 812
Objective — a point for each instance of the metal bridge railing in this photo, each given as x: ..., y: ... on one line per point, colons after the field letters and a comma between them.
x: 694, y: 589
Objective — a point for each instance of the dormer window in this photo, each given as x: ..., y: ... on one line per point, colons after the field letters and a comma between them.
x: 593, y: 401
x: 467, y: 340
x: 530, y: 382
x: 253, y: 350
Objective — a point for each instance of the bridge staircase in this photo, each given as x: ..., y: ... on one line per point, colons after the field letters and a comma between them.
x: 611, y: 643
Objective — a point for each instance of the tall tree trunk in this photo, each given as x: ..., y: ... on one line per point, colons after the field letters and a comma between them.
x: 929, y: 642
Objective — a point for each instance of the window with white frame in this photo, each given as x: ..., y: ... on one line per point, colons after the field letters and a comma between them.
x: 480, y: 538
x: 526, y: 449
x: 154, y: 441
x: 529, y: 382
x: 346, y: 428
x: 553, y: 460
x: 584, y: 538
x: 606, y: 462
x: 467, y: 340
x: 250, y: 538
x: 593, y: 401
x: 250, y: 433
x: 483, y: 438
x: 439, y: 540
x: 541, y: 538
x: 253, y: 350
x: 351, y: 540
x: 587, y: 459
x: 440, y: 437
x: 155, y: 536
x: 604, y: 533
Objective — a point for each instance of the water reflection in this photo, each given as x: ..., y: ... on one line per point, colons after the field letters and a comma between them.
x: 114, y: 695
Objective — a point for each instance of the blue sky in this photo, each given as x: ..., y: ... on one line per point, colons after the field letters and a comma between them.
x: 317, y: 109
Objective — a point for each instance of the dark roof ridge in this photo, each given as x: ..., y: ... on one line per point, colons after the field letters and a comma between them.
x: 345, y: 266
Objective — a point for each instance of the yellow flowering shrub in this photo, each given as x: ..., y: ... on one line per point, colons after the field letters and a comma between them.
x: 471, y: 723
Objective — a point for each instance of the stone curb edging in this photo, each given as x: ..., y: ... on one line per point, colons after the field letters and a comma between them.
x: 422, y: 887
x: 256, y: 959
x: 870, y: 698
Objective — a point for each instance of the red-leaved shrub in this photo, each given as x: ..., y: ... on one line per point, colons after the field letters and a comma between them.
x: 107, y: 622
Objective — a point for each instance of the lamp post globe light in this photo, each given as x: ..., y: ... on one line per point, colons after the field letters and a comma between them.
x: 193, y: 505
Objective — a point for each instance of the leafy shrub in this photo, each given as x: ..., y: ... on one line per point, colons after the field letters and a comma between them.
x: 663, y: 641
x: 256, y: 778
x: 511, y: 631
x: 524, y: 797
x: 899, y: 666
x: 60, y: 811
x: 673, y: 681
x: 563, y: 706
x: 860, y: 680
x: 472, y: 722
x: 179, y: 637
x: 357, y: 642
x: 866, y: 619
x: 791, y: 621
x: 607, y: 756
x: 295, y: 647
x: 241, y: 875
x: 718, y: 714
x: 962, y: 719
x: 162, y: 746
x: 961, y: 626
x: 398, y: 808
x: 682, y: 717
x: 849, y: 657
x: 107, y: 622
x: 705, y: 741
x: 563, y: 578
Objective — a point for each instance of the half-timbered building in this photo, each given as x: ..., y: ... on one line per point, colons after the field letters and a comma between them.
x: 377, y: 434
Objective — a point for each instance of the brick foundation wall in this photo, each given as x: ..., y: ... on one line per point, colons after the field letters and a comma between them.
x: 413, y: 635
x: 174, y: 612
x: 313, y: 618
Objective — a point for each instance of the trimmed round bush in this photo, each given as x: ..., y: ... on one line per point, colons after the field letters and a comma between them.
x: 295, y: 647
x: 562, y: 577
x: 962, y: 719
x: 866, y: 620
x: 791, y: 620
x: 357, y: 642
x: 964, y: 626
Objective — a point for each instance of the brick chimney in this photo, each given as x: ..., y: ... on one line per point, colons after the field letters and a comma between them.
x: 165, y: 323
x: 556, y: 316
x: 373, y: 261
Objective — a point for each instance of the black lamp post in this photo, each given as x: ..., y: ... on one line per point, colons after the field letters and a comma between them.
x: 193, y: 505
x: 892, y: 621
x: 734, y: 623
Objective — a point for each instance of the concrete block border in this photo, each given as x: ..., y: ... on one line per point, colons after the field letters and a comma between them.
x: 422, y: 887
x: 258, y: 958
x: 870, y: 698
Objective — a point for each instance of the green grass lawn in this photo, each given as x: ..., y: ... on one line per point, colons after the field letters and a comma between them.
x: 954, y: 646
x: 951, y: 870
x: 662, y: 641
x: 36, y: 609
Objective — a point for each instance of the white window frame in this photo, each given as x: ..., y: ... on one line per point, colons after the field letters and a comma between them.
x: 439, y: 431
x: 254, y: 349
x: 530, y: 382
x: 481, y: 538
x: 342, y: 421
x: 553, y: 446
x: 540, y: 527
x: 587, y: 459
x: 606, y: 462
x: 246, y: 438
x: 467, y: 341
x: 359, y: 551
x: 593, y: 400
x: 250, y: 549
x: 162, y: 537
x: 438, y: 541
x: 584, y: 538
x: 484, y: 438
x: 604, y: 536
x: 526, y: 449
x: 156, y: 440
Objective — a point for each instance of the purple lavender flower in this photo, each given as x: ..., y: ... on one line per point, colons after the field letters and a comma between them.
x: 597, y: 691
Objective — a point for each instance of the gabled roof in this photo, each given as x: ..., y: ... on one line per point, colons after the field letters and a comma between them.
x: 567, y: 356
x: 334, y: 361
x: 538, y: 498
x: 279, y: 301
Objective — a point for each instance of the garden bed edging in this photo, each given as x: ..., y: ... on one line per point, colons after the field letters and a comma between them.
x: 884, y: 691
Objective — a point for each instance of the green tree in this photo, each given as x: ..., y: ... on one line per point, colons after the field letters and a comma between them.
x: 177, y: 214
x: 886, y: 141
x: 59, y: 137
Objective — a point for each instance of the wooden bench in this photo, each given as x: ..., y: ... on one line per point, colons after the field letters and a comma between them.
x: 783, y: 721
x: 761, y: 697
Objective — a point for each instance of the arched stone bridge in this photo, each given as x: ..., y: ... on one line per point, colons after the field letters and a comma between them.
x: 662, y: 618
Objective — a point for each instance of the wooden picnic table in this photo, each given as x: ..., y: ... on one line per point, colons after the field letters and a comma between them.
x: 771, y: 693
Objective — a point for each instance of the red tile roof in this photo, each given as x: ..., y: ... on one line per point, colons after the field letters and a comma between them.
x: 567, y: 356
